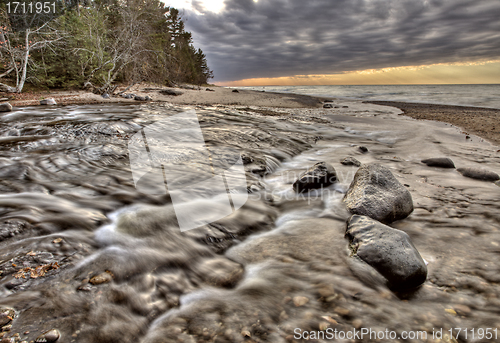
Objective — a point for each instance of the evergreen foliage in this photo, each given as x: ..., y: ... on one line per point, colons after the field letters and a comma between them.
x: 102, y: 42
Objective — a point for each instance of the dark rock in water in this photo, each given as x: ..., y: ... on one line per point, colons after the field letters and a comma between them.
x: 350, y: 161
x: 142, y: 98
x: 170, y: 92
x: 442, y: 162
x: 376, y: 193
x: 327, y: 106
x: 345, y: 106
x: 6, y: 316
x: 319, y: 175
x: 246, y: 159
x: 479, y: 174
x: 363, y: 149
x: 390, y: 251
x: 235, y: 91
x: 328, y: 101
x: 210, y: 90
x: 5, y: 107
x: 105, y: 96
x: 49, y: 101
x: 49, y: 336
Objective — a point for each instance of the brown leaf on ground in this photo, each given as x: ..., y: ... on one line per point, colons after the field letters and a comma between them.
x: 35, y: 272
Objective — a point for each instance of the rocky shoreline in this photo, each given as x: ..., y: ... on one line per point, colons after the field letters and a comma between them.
x: 356, y: 219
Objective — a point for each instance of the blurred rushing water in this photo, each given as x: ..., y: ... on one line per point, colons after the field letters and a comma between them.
x: 85, y: 253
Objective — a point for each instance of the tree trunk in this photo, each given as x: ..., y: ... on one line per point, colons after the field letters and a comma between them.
x: 25, y: 62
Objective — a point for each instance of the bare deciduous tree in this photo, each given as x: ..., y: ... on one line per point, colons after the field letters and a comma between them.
x: 16, y: 48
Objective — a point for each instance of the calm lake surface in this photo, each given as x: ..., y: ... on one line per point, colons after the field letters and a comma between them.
x: 464, y: 95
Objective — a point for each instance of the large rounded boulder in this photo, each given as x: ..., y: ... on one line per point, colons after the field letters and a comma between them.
x: 376, y: 193
x: 388, y: 250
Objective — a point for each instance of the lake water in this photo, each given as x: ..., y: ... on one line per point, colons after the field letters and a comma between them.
x: 464, y: 95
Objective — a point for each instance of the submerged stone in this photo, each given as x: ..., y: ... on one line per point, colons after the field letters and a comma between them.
x: 479, y: 174
x: 388, y: 250
x: 442, y: 162
x: 376, y: 193
x: 319, y: 175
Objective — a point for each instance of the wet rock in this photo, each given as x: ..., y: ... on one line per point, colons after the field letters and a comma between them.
x: 389, y: 251
x: 142, y: 98
x: 327, y: 106
x: 246, y: 159
x: 220, y: 272
x: 170, y: 92
x: 328, y: 101
x: 49, y: 336
x: 5, y: 107
x: 363, y: 149
x: 441, y: 162
x: 101, y: 278
x: 235, y: 91
x: 300, y: 301
x: 49, y: 101
x: 319, y: 175
x: 210, y: 90
x: 350, y: 161
x: 479, y: 174
x: 376, y: 193
x: 129, y: 96
x: 105, y: 96
x: 6, y: 316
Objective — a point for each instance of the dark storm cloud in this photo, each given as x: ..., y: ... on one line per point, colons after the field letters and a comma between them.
x: 272, y: 38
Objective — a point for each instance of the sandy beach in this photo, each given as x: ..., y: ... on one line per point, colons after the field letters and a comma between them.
x: 482, y: 122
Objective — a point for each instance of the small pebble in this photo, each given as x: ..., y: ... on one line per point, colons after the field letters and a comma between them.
x: 300, y: 301
x: 101, y: 278
x: 48, y: 336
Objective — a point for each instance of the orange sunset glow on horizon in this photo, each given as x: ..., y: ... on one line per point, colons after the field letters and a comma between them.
x: 485, y: 72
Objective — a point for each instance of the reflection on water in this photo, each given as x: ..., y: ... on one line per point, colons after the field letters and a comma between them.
x: 82, y: 251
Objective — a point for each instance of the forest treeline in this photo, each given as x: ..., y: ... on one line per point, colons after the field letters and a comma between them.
x: 98, y: 43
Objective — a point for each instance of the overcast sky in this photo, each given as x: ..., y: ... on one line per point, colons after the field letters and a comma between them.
x: 246, y: 39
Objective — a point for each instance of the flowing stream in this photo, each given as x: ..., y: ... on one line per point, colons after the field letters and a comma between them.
x: 84, y: 252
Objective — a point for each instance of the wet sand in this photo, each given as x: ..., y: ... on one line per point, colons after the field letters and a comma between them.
x: 483, y: 122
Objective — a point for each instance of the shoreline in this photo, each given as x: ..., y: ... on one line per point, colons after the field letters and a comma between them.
x: 479, y: 121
